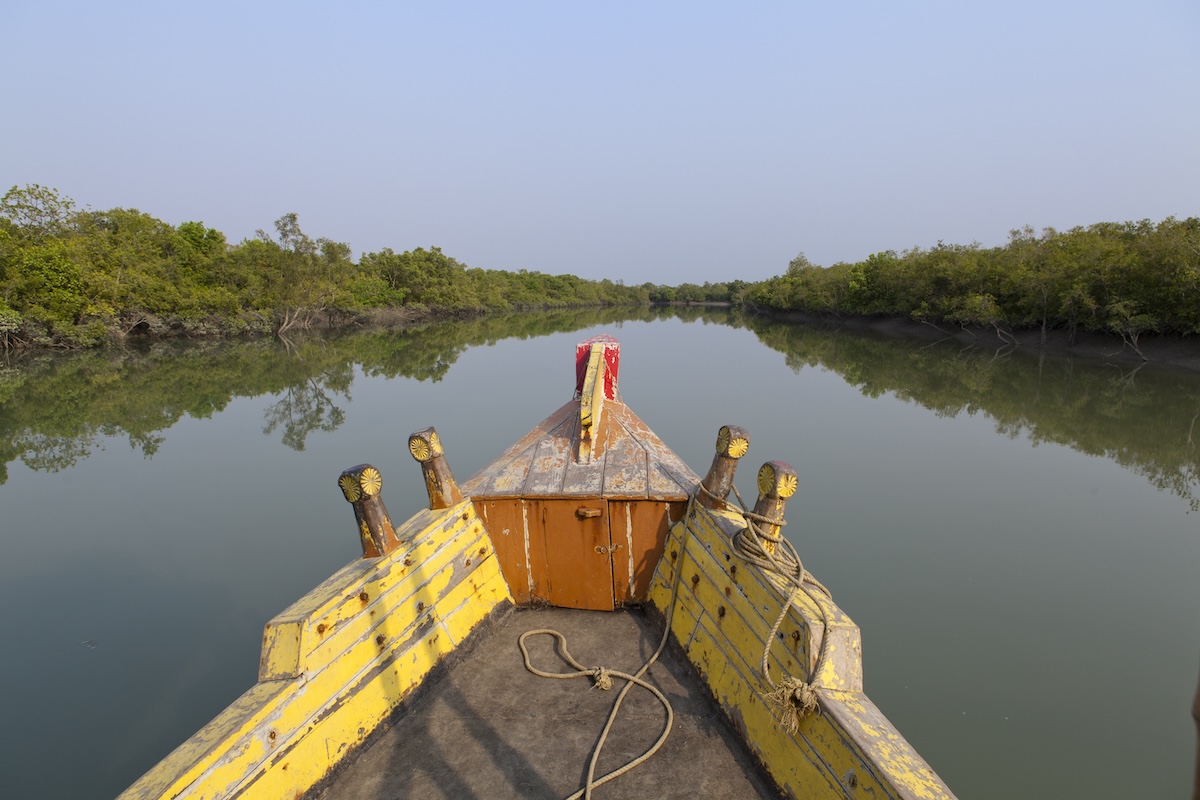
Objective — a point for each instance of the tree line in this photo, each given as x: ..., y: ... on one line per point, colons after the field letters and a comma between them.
x: 1126, y: 279
x: 72, y: 277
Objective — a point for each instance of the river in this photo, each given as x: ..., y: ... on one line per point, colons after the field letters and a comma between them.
x: 1016, y: 536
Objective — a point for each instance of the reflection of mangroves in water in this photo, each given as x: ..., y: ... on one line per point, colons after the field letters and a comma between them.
x: 56, y: 408
x: 1146, y: 418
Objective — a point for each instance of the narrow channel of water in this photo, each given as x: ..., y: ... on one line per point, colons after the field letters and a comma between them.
x: 1016, y: 536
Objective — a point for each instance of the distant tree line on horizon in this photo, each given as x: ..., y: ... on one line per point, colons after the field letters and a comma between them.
x: 71, y: 277
x: 1126, y: 279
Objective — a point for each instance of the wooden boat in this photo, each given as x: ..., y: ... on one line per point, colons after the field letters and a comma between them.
x: 589, y: 522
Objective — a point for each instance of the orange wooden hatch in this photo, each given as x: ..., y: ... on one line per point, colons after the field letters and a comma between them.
x: 579, y: 508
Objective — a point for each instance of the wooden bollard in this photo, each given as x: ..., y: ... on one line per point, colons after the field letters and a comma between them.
x: 426, y: 448
x: 777, y: 482
x: 732, y: 444
x: 361, y: 486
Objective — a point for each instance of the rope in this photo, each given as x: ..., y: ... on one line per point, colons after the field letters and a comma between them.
x: 792, y: 699
x: 602, y: 679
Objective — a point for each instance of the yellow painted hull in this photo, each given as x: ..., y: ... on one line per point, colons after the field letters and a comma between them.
x: 578, y: 506
x: 724, y: 613
x: 338, y: 662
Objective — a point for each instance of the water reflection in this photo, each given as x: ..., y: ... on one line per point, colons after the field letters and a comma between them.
x: 310, y: 405
x: 1144, y: 416
x: 57, y: 409
x: 987, y: 555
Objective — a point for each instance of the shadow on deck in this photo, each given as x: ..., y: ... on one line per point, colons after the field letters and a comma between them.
x: 490, y: 729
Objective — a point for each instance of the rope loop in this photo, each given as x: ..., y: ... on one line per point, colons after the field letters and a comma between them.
x: 793, y: 699
x: 602, y: 678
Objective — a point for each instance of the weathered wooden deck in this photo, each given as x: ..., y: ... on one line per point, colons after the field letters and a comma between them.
x: 490, y: 729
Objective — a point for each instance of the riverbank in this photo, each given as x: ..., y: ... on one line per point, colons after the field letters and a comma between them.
x: 148, y: 328
x: 1171, y: 349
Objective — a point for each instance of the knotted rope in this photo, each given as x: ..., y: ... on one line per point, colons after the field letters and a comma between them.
x: 792, y: 699
x: 602, y: 679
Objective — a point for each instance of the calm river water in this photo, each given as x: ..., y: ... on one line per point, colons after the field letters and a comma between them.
x: 1017, y: 537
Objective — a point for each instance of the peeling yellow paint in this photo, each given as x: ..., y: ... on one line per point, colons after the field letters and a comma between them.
x: 724, y: 610
x: 336, y: 663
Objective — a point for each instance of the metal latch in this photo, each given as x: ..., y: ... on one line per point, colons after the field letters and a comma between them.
x: 588, y: 513
x: 606, y: 549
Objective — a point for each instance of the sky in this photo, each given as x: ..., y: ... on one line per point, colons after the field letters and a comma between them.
x: 638, y: 141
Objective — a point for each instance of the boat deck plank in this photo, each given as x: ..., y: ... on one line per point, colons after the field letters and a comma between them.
x: 633, y: 464
x: 490, y: 729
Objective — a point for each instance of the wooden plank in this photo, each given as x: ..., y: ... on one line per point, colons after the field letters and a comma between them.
x: 283, y: 735
x: 290, y: 767
x: 796, y: 767
x: 334, y: 634
x: 850, y: 749
x: 642, y: 527
x: 505, y: 524
x: 465, y: 606
x: 724, y: 663
x: 537, y: 554
x: 288, y: 637
x: 852, y: 719
x: 724, y: 597
x: 585, y: 479
x: 668, y: 477
x: 736, y: 621
x: 625, y: 468
x: 577, y: 554
x: 593, y: 414
x: 842, y: 669
x: 549, y: 464
x: 850, y: 743
x: 186, y: 763
x: 725, y: 585
x: 505, y: 475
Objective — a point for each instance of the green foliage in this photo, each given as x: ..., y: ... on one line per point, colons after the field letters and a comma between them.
x: 44, y: 282
x: 65, y: 274
x: 10, y: 327
x: 689, y: 293
x: 37, y: 212
x: 1126, y: 279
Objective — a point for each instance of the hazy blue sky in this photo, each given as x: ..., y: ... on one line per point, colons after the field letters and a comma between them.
x: 666, y: 142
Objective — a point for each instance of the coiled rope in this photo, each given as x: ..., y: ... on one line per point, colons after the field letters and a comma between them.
x: 602, y: 679
x: 792, y: 699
